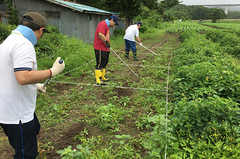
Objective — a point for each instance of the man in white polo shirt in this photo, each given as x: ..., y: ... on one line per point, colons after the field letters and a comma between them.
x: 130, y: 33
x: 19, y: 83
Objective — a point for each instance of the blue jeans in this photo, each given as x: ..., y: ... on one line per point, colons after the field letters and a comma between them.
x: 130, y: 45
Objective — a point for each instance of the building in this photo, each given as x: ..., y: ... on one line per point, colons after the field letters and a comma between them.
x: 71, y: 18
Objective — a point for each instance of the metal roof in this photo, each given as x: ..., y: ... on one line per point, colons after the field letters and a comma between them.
x: 80, y: 7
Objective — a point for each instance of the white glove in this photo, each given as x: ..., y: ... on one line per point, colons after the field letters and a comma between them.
x: 141, y: 44
x: 40, y: 88
x: 57, y: 67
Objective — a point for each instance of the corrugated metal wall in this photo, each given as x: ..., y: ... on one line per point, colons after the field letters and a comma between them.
x: 72, y: 23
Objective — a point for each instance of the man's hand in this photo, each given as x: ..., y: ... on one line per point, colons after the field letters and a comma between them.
x: 141, y: 44
x: 107, y: 43
x: 40, y: 88
x: 57, y: 67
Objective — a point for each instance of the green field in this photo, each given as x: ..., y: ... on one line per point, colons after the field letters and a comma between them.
x: 185, y: 103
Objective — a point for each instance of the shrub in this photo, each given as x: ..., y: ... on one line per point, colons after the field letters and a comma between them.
x: 4, y: 32
x: 118, y: 32
x: 205, y: 79
x: 206, y: 99
x: 206, y: 128
x: 225, y: 38
x: 193, y: 117
x: 143, y: 29
x: 72, y: 50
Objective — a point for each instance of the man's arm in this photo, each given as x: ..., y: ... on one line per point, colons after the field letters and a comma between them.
x: 36, y: 76
x: 138, y: 39
x: 32, y: 77
x: 102, y: 37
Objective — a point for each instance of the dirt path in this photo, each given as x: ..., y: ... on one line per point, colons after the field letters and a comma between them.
x: 61, y: 136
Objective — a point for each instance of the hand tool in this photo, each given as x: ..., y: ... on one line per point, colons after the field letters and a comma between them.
x: 146, y: 48
x: 125, y: 63
x: 48, y: 80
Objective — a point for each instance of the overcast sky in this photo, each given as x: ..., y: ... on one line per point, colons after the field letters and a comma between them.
x: 202, y: 2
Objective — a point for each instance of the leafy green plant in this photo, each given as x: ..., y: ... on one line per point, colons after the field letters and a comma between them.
x: 81, y: 152
x: 72, y: 50
x: 118, y: 32
x: 91, y: 147
x: 124, y: 101
x: 215, y: 76
x: 142, y: 121
x: 228, y: 40
x: 160, y: 135
x: 124, y: 147
x: 211, y: 143
x: 193, y: 117
x: 12, y: 11
x: 4, y: 32
x: 109, y: 117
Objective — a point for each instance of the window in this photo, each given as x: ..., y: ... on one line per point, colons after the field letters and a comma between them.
x: 89, y: 17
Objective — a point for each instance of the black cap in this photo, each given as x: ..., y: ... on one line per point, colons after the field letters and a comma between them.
x: 115, y: 18
x: 139, y: 23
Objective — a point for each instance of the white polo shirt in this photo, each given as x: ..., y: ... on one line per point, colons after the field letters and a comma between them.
x: 17, y: 102
x: 131, y: 32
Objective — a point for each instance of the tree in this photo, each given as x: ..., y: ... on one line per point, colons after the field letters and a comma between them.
x: 233, y: 15
x: 150, y: 18
x: 164, y: 4
x: 128, y: 8
x: 216, y: 15
x: 179, y: 12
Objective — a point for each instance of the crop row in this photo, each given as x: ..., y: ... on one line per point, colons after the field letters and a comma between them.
x: 230, y: 26
x: 206, y: 93
x: 187, y: 26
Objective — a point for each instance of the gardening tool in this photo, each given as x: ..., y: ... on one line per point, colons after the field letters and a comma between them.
x: 48, y: 80
x: 147, y: 48
x: 124, y: 63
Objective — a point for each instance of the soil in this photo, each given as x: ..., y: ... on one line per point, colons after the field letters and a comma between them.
x: 62, y: 136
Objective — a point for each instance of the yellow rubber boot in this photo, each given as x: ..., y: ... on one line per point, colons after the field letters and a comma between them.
x: 98, y: 75
x: 103, y: 75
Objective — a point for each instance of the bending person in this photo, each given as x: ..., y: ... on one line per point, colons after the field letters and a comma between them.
x: 101, y: 47
x: 130, y: 33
